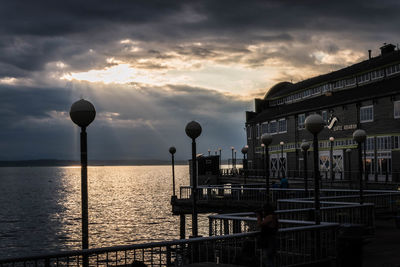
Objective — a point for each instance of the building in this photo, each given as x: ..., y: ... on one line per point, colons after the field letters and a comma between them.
x: 365, y: 96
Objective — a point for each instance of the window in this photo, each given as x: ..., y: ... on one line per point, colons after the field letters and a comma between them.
x: 264, y: 128
x: 392, y: 69
x: 249, y: 132
x: 370, y: 143
x: 338, y: 84
x: 383, y: 143
x: 326, y: 88
x: 324, y: 115
x: 300, y: 119
x: 396, y: 105
x: 316, y: 90
x: 351, y: 81
x: 396, y: 142
x: 307, y: 93
x: 376, y: 74
x: 272, y: 127
x: 282, y: 126
x: 367, y: 114
x: 363, y: 78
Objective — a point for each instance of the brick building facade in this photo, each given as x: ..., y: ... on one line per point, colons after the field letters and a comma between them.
x: 362, y: 96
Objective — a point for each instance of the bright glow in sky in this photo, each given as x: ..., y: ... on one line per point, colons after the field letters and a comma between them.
x: 235, y: 79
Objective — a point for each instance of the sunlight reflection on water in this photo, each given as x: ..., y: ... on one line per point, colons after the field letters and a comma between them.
x: 130, y: 204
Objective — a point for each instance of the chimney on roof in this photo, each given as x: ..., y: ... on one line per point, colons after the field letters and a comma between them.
x: 387, y: 49
x: 369, y: 53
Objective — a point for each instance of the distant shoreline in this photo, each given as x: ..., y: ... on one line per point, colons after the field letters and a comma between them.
x: 91, y: 163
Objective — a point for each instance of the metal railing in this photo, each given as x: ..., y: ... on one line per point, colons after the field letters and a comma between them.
x: 218, y: 249
x: 351, y: 213
x: 238, y: 192
x: 299, y: 242
x: 389, y: 202
x: 291, y: 204
x: 383, y: 199
x: 295, y: 246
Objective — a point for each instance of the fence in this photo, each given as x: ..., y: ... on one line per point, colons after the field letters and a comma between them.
x: 218, y: 249
x: 345, y: 214
x: 239, y: 192
x: 299, y: 242
x: 387, y: 200
x: 295, y: 246
x: 325, y: 174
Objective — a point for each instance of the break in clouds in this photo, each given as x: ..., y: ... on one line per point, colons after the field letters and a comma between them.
x: 151, y: 66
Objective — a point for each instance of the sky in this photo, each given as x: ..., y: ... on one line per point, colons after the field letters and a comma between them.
x: 150, y: 67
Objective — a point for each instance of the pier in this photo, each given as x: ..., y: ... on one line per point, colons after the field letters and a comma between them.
x: 233, y: 235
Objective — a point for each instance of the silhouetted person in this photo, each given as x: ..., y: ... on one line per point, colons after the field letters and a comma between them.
x: 268, y: 223
x: 284, y: 182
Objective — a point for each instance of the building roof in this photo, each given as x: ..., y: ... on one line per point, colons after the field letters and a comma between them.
x: 388, y: 86
x: 286, y: 88
x: 278, y: 89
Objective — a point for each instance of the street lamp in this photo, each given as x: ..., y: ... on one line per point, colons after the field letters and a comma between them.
x: 235, y: 158
x: 348, y: 151
x: 244, y: 152
x: 82, y: 113
x: 209, y: 152
x: 315, y: 124
x: 172, y: 150
x: 359, y: 136
x: 220, y: 157
x: 232, y: 148
x: 193, y: 130
x: 263, y: 158
x: 305, y: 146
x: 266, y: 140
x: 331, y: 140
x: 281, y: 160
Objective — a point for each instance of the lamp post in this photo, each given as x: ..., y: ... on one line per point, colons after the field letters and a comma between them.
x: 359, y: 136
x: 348, y: 152
x: 172, y: 150
x: 305, y: 146
x: 232, y: 148
x: 263, y: 159
x: 193, y: 130
x: 315, y: 124
x: 281, y: 160
x: 82, y: 113
x: 209, y: 152
x: 244, y: 152
x: 235, y: 158
x: 266, y: 140
x: 220, y: 157
x: 331, y: 140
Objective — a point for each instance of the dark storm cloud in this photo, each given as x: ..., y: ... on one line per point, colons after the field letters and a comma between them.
x: 34, y: 33
x: 139, y: 121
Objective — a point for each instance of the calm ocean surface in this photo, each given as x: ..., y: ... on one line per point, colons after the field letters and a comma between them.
x: 41, y: 208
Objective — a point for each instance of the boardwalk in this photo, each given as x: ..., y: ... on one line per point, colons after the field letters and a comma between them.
x: 383, y: 250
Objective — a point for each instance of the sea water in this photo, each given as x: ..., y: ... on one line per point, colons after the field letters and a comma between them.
x: 40, y: 207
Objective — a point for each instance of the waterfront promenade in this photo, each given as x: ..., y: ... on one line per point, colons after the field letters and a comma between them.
x: 301, y: 241
x: 382, y: 250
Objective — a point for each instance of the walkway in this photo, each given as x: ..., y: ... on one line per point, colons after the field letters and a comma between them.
x: 384, y: 248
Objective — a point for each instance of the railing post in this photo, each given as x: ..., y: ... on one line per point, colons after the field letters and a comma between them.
x: 210, y: 226
x: 226, y: 227
x: 182, y: 227
x: 169, y: 263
